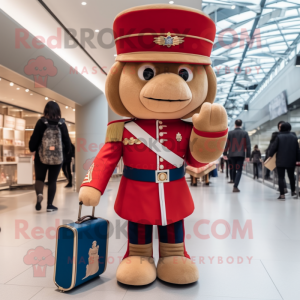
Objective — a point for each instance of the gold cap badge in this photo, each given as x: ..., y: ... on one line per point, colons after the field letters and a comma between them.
x: 168, y: 40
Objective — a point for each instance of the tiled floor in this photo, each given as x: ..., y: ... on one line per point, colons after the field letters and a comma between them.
x: 266, y: 266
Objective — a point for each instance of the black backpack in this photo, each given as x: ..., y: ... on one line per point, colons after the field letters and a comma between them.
x: 51, y: 148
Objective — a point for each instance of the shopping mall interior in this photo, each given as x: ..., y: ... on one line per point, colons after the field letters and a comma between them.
x: 149, y: 150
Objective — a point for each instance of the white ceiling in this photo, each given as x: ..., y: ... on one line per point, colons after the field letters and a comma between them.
x: 72, y: 86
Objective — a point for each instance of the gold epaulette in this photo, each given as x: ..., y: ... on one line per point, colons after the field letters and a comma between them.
x: 114, y: 132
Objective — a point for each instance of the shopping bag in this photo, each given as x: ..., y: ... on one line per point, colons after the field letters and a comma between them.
x: 270, y: 163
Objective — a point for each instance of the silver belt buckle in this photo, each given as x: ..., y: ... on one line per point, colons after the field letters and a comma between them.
x: 162, y: 176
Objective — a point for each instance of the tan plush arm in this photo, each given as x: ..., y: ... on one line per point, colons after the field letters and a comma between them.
x: 208, y: 138
x: 89, y: 196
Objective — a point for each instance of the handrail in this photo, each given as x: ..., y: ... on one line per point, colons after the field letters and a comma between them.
x: 297, y: 170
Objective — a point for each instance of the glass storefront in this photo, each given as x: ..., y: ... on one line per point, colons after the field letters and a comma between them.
x: 16, y: 127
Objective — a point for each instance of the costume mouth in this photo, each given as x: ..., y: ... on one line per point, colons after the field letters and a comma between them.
x: 166, y: 100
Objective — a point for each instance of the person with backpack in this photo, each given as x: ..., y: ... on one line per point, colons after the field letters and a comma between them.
x: 49, y: 137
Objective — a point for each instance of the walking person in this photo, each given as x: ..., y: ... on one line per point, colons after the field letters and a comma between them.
x: 66, y: 167
x: 255, y: 158
x: 273, y: 138
x: 287, y: 152
x: 49, y: 136
x: 237, y: 148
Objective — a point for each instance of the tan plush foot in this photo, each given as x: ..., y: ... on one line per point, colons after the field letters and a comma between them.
x: 177, y: 270
x: 136, y: 270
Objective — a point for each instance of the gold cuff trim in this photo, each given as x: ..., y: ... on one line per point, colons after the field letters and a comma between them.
x: 167, y: 249
x: 140, y: 250
x: 175, y: 34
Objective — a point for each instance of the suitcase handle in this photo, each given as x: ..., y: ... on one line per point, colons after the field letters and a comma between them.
x: 85, y: 218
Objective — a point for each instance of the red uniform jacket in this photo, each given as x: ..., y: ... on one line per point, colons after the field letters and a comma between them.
x: 139, y: 201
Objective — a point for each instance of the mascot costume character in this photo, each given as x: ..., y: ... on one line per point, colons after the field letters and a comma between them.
x: 162, y: 75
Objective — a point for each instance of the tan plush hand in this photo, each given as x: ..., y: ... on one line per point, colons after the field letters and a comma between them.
x: 212, y: 118
x: 89, y: 196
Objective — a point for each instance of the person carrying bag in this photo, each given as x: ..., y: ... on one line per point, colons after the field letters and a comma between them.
x: 287, y: 152
x: 49, y: 136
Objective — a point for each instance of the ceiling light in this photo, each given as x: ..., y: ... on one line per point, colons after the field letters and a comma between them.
x: 18, y: 88
x: 73, y: 109
x: 0, y: 79
x: 171, y: 2
x: 233, y: 7
x: 31, y: 94
x: 97, y: 30
x: 67, y: 107
x: 115, y: 55
x: 46, y: 98
x: 83, y: 3
x: 11, y: 84
x: 27, y: 90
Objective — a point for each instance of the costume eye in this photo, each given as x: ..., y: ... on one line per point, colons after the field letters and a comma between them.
x: 45, y: 68
x: 146, y: 72
x: 186, y: 74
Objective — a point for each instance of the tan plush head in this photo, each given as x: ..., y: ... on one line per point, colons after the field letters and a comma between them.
x: 159, y: 90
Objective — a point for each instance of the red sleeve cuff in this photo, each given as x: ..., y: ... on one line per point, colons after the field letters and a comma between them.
x: 207, y: 134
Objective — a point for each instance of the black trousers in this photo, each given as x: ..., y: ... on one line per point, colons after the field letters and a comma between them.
x: 222, y: 164
x: 229, y: 169
x: 226, y: 167
x: 236, y: 168
x: 255, y: 170
x: 40, y: 175
x: 66, y: 167
x: 281, y: 181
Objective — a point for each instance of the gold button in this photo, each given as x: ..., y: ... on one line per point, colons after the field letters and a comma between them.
x: 161, y: 140
x: 161, y: 167
x: 160, y: 127
x: 161, y: 159
x: 161, y: 134
x: 160, y: 122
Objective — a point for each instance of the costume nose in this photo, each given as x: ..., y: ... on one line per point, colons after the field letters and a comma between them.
x: 167, y: 87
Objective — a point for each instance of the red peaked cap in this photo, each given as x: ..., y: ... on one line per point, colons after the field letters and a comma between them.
x: 164, y: 33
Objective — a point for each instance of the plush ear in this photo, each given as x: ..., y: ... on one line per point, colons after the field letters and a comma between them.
x: 211, y: 93
x: 112, y: 90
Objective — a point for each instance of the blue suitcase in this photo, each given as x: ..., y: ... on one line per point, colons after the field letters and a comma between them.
x: 81, y: 251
